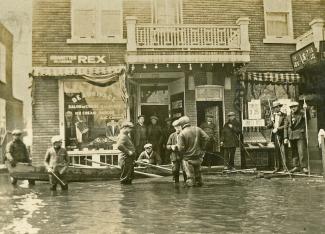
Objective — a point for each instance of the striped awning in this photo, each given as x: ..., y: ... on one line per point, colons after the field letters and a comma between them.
x: 272, y: 77
x: 71, y: 71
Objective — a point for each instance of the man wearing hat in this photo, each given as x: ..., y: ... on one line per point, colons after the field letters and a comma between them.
x: 211, y: 129
x: 155, y: 135
x: 149, y: 156
x: 191, y: 144
x: 16, y: 151
x: 57, y: 161
x: 277, y: 124
x: 128, y: 154
x: 294, y: 131
x: 140, y: 135
x: 230, y: 137
x: 175, y: 156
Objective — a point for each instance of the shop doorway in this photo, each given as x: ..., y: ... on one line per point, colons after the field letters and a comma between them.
x: 161, y: 111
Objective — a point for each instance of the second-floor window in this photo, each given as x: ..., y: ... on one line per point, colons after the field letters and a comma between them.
x: 97, y: 19
x: 278, y: 19
x: 2, y: 62
x: 167, y: 12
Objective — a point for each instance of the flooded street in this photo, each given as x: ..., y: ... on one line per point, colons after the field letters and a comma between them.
x: 227, y: 204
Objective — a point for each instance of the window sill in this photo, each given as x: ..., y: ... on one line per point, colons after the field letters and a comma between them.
x: 279, y: 40
x: 96, y: 41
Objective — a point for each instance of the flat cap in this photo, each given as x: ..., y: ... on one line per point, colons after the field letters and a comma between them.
x: 176, y: 123
x: 16, y: 132
x: 127, y: 124
x: 148, y: 145
x: 57, y: 138
x: 231, y: 114
x: 293, y: 104
x: 184, y: 120
x: 140, y: 116
x: 154, y: 117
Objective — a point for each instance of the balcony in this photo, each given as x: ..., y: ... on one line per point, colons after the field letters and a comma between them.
x: 182, y: 43
x: 316, y: 34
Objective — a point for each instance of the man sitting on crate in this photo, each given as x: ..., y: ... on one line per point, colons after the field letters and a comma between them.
x: 277, y: 137
x: 16, y: 152
x: 56, y: 162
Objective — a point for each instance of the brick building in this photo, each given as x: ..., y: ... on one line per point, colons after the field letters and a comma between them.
x: 11, y: 109
x: 177, y: 56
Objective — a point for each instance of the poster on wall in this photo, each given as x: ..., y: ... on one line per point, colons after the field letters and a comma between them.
x: 254, y: 109
x: 177, y: 105
x: 92, y: 115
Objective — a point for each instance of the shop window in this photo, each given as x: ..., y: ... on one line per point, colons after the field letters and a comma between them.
x: 167, y: 12
x: 2, y: 119
x: 278, y: 21
x: 96, y: 21
x: 2, y: 63
x: 92, y: 115
x: 154, y: 95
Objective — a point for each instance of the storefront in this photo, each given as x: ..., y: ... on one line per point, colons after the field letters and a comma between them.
x: 86, y: 107
x: 259, y: 90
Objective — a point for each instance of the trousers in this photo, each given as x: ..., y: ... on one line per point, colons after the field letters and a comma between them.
x: 127, y: 170
x: 193, y: 172
x: 176, y: 166
x: 298, y: 147
x: 229, y: 156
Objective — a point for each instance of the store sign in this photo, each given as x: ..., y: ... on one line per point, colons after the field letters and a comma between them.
x: 254, y: 109
x: 253, y: 123
x: 322, y: 50
x: 83, y: 59
x: 306, y: 55
x: 209, y: 93
x: 177, y: 105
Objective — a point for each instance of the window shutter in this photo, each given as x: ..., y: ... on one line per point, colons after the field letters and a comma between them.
x: 111, y: 18
x: 85, y: 23
x: 277, y: 24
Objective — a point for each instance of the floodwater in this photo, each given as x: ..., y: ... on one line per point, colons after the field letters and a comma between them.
x: 225, y: 204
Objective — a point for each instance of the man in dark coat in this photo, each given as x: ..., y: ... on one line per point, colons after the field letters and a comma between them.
x: 294, y: 130
x: 140, y: 135
x: 230, y: 140
x: 57, y: 161
x: 175, y: 156
x: 191, y: 143
x: 168, y: 130
x: 277, y: 137
x: 155, y: 135
x: 210, y: 128
x: 149, y: 156
x: 125, y: 145
x: 16, y: 151
x: 112, y: 129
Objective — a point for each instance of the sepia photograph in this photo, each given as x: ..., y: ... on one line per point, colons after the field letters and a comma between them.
x: 162, y: 116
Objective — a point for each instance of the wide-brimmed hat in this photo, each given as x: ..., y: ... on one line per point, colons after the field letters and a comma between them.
x: 127, y: 124
x: 293, y: 104
x: 154, y: 117
x: 231, y: 114
x: 57, y: 138
x: 148, y: 145
x: 16, y: 132
x: 276, y: 103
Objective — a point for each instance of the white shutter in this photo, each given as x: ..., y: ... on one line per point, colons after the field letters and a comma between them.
x: 167, y: 11
x: 111, y: 18
x: 84, y: 18
x: 2, y: 118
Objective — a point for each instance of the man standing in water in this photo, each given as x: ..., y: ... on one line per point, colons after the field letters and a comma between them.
x: 56, y: 162
x: 191, y: 143
x: 16, y: 151
x: 140, y: 135
x: 127, y: 148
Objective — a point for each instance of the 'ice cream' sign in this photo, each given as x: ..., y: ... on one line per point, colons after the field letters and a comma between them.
x: 78, y: 59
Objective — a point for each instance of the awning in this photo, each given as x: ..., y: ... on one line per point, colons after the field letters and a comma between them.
x: 71, y: 71
x: 272, y: 77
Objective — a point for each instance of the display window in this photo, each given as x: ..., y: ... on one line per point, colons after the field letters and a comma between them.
x: 92, y: 115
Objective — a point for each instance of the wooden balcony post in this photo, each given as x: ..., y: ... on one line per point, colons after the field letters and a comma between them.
x: 131, y: 33
x: 317, y: 27
x: 243, y: 23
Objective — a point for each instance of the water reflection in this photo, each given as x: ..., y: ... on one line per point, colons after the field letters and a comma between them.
x: 228, y: 204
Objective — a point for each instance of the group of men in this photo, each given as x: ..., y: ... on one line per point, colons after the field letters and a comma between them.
x: 289, y: 128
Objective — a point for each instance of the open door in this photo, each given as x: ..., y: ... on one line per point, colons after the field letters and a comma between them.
x: 214, y: 111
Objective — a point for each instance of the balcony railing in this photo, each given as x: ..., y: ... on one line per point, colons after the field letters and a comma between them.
x: 187, y: 36
x: 149, y: 36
